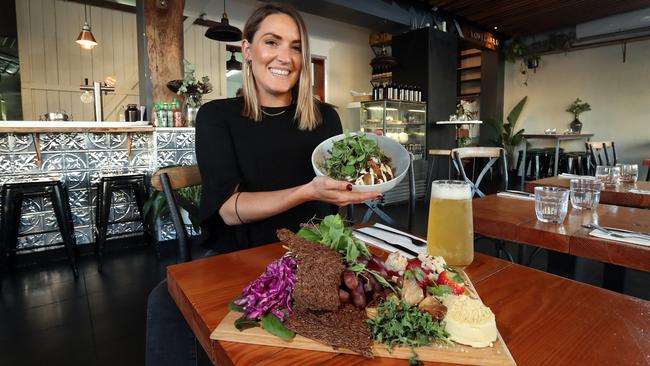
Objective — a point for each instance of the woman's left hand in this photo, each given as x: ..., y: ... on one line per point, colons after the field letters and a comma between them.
x: 336, y: 192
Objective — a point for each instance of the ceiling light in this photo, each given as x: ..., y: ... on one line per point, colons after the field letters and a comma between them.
x: 495, y: 28
x: 86, y: 39
x: 223, y: 31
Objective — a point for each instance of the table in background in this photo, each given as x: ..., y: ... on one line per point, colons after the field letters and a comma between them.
x: 543, y: 319
x: 557, y: 138
x: 619, y: 195
x: 514, y: 220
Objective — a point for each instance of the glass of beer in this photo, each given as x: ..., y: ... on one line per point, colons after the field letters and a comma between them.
x: 451, y: 232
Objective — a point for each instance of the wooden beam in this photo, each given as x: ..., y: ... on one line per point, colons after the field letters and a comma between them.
x: 164, y: 32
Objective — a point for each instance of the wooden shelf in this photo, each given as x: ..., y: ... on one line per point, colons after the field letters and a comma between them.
x: 472, y: 79
x: 469, y: 96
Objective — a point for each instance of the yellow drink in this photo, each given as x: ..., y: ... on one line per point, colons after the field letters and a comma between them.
x: 450, y: 233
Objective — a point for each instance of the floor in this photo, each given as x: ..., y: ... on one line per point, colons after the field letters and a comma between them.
x: 49, y: 318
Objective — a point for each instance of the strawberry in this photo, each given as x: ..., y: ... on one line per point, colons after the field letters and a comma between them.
x: 445, y: 278
x: 416, y: 263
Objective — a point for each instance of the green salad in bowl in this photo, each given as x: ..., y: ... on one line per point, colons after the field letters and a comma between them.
x: 368, y: 161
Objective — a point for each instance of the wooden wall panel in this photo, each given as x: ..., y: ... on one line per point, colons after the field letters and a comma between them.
x: 53, y: 66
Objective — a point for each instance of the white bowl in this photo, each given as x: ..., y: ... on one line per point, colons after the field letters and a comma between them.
x: 397, y: 153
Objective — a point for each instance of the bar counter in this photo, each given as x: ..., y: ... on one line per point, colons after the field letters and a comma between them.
x: 81, y: 152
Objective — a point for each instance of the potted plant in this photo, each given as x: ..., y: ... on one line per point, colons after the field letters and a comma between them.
x: 192, y: 90
x: 577, y: 107
x: 508, y: 136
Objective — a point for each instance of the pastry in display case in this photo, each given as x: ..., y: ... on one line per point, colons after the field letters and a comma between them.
x: 404, y: 122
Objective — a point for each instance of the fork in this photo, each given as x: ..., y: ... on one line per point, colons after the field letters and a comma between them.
x: 617, y: 234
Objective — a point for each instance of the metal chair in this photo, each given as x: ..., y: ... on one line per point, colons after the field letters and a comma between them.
x: 597, y: 150
x: 168, y: 181
x: 433, y: 154
x: 493, y: 154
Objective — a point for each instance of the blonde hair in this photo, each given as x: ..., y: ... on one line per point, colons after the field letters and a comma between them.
x: 307, y: 112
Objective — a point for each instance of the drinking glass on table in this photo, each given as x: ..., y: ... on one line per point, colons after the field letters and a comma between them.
x: 609, y: 175
x: 551, y: 204
x: 585, y: 193
x: 451, y: 232
x: 629, y: 172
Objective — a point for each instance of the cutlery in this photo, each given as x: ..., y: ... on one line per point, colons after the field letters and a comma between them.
x: 520, y: 193
x: 415, y: 241
x: 617, y: 233
x: 396, y: 246
x: 625, y: 231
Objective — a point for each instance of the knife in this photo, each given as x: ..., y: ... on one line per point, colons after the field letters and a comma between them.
x: 415, y: 241
x: 396, y: 246
x: 621, y: 233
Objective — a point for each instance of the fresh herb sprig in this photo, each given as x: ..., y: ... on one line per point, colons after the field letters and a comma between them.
x: 333, y: 233
x: 350, y: 155
x: 399, y: 324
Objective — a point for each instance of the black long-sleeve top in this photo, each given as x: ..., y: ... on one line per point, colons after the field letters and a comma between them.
x: 259, y: 156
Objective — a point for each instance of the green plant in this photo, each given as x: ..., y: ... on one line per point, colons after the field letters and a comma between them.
x: 577, y: 107
x: 507, y: 136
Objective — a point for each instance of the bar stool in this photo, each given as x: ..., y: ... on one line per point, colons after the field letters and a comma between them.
x: 105, y: 187
x: 13, y: 194
x: 540, y: 161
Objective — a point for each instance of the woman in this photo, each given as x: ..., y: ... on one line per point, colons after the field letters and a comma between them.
x: 254, y: 152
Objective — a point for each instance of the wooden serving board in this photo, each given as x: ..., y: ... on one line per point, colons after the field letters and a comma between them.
x: 497, y: 355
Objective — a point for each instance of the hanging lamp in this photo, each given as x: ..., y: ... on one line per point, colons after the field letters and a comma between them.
x: 223, y: 31
x: 86, y: 39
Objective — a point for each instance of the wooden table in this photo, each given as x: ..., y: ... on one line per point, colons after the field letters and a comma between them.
x: 514, y: 220
x: 544, y: 319
x: 619, y: 195
x: 558, y: 138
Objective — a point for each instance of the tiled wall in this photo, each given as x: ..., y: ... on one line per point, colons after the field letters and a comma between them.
x: 81, y: 158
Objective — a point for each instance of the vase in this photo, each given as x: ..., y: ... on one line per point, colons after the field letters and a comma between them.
x: 192, y: 105
x: 576, y: 125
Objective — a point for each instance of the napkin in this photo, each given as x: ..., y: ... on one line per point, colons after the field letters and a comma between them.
x: 573, y: 176
x: 638, y: 241
x: 397, y: 238
x: 516, y: 196
x: 639, y: 191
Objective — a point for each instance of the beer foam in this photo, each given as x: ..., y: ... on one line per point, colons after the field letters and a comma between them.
x: 451, y: 191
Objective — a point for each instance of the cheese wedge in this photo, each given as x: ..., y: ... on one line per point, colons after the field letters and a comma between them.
x: 469, y: 322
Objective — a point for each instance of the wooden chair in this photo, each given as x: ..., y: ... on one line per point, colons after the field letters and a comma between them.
x: 597, y: 150
x: 168, y: 181
x: 493, y: 154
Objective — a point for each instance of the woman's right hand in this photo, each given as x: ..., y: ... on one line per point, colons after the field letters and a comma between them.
x: 336, y: 192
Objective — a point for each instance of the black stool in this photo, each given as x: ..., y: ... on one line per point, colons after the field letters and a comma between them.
x: 12, y: 196
x: 540, y: 161
x: 574, y: 162
x: 105, y: 188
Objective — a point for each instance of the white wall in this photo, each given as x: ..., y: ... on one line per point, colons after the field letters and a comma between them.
x: 345, y: 47
x: 619, y: 95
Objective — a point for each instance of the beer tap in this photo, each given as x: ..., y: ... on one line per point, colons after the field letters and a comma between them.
x: 97, y: 89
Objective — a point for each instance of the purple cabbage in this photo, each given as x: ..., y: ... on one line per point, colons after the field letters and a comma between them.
x: 271, y: 292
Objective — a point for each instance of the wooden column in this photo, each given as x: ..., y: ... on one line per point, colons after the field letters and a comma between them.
x: 164, y: 40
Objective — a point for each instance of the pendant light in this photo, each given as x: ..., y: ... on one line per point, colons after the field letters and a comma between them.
x: 86, y: 39
x: 223, y: 31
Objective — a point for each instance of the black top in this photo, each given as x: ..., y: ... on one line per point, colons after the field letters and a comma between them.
x: 259, y: 156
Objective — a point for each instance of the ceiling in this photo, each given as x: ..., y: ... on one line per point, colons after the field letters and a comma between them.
x: 527, y: 17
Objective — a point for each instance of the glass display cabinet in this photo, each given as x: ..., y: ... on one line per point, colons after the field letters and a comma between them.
x: 402, y: 121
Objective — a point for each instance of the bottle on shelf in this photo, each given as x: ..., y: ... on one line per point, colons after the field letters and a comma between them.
x: 163, y: 115
x: 177, y: 113
x: 380, y: 92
